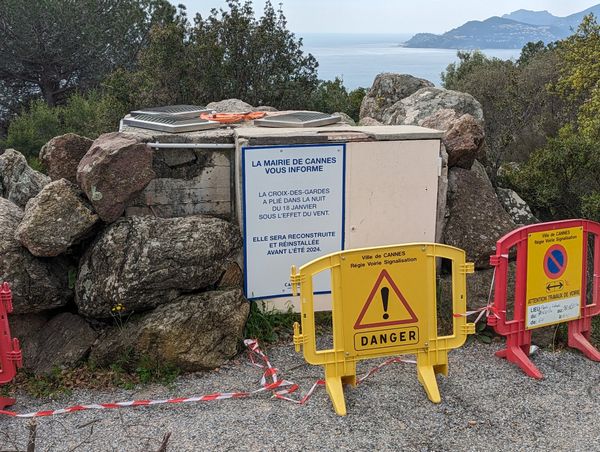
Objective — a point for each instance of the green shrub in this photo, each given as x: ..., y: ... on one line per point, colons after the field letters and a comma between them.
x: 560, y: 180
x: 89, y: 115
x: 92, y: 115
x: 331, y: 96
x: 269, y: 325
x: 29, y: 131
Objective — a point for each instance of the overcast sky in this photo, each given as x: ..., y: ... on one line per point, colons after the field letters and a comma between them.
x: 393, y: 16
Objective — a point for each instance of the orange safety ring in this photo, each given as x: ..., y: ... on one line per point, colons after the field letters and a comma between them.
x: 230, y: 118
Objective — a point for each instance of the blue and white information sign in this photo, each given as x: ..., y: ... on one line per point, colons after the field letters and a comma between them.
x: 293, y: 213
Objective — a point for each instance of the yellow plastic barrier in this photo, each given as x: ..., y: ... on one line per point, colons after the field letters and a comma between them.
x: 383, y: 303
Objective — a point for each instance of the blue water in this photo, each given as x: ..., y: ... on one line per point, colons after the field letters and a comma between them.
x: 358, y: 58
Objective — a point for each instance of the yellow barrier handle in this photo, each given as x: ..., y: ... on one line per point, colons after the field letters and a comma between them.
x: 294, y: 281
x: 298, y: 338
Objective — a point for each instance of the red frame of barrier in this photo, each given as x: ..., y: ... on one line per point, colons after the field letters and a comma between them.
x: 518, y: 338
x: 10, y: 351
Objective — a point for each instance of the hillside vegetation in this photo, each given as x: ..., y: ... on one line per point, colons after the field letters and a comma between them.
x: 511, y: 31
x: 80, y: 66
x: 542, y: 120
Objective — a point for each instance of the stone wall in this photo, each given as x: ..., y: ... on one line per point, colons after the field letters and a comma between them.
x: 188, y: 182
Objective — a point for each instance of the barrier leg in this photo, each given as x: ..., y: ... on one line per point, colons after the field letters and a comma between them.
x: 6, y: 402
x: 577, y: 340
x: 516, y: 355
x: 336, y: 394
x: 426, y: 373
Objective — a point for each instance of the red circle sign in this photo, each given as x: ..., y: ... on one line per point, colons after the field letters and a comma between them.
x: 555, y: 261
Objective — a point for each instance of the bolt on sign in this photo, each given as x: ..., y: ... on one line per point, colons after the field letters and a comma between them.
x: 383, y: 303
x: 550, y: 287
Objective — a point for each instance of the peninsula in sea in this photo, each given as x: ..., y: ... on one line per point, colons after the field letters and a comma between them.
x: 511, y: 31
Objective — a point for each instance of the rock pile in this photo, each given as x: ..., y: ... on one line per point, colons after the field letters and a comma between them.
x: 81, y: 271
x: 475, y: 215
x: 95, y: 271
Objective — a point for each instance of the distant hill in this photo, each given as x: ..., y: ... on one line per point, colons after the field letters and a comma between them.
x: 511, y: 31
x: 532, y: 17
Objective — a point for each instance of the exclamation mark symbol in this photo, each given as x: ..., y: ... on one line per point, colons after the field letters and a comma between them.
x: 385, y: 292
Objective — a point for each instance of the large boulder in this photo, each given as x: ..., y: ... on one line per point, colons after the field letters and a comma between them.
x: 143, y: 262
x: 463, y: 135
x: 346, y: 119
x: 27, y: 328
x: 57, y: 218
x: 195, y: 332
x: 61, y: 341
x: 479, y: 287
x: 368, y: 121
x: 18, y: 181
x: 113, y: 171
x: 476, y: 219
x: 37, y: 284
x: 61, y: 156
x: 481, y: 172
x: 231, y: 106
x: 424, y: 103
x: 389, y: 88
x: 516, y: 207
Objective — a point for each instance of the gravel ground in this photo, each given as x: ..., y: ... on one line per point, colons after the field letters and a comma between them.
x: 487, y: 403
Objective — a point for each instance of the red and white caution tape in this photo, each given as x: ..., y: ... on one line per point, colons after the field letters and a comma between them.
x: 489, y: 309
x: 269, y: 382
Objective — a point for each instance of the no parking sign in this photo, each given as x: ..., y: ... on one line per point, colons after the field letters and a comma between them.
x: 554, y: 269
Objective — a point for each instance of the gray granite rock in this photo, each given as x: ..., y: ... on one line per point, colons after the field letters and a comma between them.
x: 345, y: 118
x: 18, y: 181
x: 427, y: 101
x: 61, y: 341
x: 476, y: 219
x: 481, y: 172
x: 37, y: 284
x: 516, y: 207
x: 389, y: 88
x: 194, y: 332
x: 57, y: 218
x: 367, y: 121
x: 144, y: 262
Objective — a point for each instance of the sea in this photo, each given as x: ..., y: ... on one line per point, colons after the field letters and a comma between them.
x: 358, y: 58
